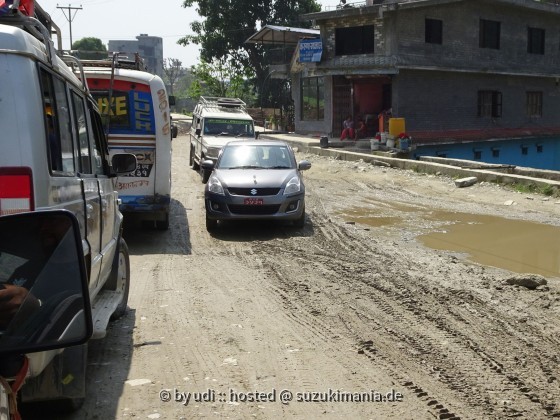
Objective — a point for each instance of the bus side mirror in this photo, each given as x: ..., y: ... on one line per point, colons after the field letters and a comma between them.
x: 171, y: 100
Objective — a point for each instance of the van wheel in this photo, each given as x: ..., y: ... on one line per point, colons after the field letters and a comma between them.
x: 120, y: 278
x: 193, y: 163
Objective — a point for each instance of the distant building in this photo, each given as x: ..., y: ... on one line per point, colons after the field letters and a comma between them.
x: 150, y: 49
x: 456, y: 71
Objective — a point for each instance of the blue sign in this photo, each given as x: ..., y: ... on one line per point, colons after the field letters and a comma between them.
x: 310, y: 50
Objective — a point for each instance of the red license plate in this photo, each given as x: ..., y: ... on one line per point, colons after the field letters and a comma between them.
x: 253, y: 202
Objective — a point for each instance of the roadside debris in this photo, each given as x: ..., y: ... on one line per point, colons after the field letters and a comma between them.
x: 530, y: 281
x: 466, y: 182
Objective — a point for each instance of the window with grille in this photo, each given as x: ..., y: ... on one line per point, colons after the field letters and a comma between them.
x: 489, y: 103
x: 312, y: 99
x: 534, y: 104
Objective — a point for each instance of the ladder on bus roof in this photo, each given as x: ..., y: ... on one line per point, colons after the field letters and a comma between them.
x: 118, y: 60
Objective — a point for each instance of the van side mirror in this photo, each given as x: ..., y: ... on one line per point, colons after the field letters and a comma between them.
x: 123, y: 163
x: 41, y: 258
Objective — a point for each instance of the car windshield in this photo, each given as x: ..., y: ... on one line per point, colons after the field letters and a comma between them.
x: 228, y: 127
x: 256, y: 157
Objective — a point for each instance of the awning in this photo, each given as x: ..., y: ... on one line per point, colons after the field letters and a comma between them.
x: 272, y: 34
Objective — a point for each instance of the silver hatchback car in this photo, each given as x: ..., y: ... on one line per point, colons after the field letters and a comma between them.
x: 255, y: 180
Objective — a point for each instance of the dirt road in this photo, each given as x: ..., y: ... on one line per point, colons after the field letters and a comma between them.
x: 235, y: 324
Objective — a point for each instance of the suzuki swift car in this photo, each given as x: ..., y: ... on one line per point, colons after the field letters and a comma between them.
x: 254, y: 181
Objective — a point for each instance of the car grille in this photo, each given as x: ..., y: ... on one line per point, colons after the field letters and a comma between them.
x: 260, y: 191
x: 258, y: 210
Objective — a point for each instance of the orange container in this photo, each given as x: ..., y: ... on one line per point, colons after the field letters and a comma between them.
x: 396, y: 126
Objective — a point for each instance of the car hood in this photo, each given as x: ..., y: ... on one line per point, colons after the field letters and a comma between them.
x: 263, y: 178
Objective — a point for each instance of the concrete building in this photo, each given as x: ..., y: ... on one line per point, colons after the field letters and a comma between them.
x: 150, y: 49
x: 455, y: 70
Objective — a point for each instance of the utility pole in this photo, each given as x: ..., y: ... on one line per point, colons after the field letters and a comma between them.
x: 70, y: 16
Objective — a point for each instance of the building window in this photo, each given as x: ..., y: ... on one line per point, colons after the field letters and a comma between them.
x: 489, y: 103
x: 495, y: 152
x: 477, y: 154
x: 434, y: 31
x: 489, y: 36
x: 535, y: 41
x: 354, y: 40
x: 312, y: 99
x: 524, y: 150
x: 534, y: 104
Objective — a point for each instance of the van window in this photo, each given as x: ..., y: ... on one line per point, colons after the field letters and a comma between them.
x: 83, y: 135
x: 57, y: 124
x: 100, y: 150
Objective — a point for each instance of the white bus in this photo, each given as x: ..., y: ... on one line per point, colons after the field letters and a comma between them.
x: 139, y: 123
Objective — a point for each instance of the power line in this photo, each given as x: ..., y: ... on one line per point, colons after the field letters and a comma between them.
x: 70, y: 16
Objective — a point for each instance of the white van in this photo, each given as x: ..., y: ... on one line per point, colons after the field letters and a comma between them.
x: 217, y: 121
x: 54, y: 155
x: 139, y: 123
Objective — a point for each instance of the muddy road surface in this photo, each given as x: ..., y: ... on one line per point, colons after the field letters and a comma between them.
x: 351, y: 317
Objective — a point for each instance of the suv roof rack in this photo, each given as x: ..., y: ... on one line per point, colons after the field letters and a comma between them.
x: 30, y: 17
x: 209, y: 101
x: 118, y: 61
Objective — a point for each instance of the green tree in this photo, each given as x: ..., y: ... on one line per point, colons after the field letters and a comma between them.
x: 90, y: 48
x: 219, y: 78
x: 173, y: 70
x: 228, y: 23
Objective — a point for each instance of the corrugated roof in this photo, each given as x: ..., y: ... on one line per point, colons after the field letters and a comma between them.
x: 273, y: 34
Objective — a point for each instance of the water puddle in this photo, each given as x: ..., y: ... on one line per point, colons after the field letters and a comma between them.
x: 514, y: 245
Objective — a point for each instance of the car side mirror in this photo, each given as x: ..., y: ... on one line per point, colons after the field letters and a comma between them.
x: 304, y: 165
x: 42, y: 259
x: 207, y: 164
x: 124, y: 163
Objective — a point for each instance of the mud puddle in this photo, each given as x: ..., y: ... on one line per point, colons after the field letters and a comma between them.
x: 515, y: 245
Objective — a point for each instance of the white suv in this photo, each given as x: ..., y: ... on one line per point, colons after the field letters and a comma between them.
x: 216, y: 121
x: 54, y: 155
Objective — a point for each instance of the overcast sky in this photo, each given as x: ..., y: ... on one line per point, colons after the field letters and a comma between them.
x: 126, y: 19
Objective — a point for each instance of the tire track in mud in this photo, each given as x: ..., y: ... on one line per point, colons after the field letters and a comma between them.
x: 472, y: 359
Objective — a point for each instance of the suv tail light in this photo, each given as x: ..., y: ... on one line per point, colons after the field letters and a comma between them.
x: 16, y: 190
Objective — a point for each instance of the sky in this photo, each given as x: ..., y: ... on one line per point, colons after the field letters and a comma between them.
x: 126, y: 19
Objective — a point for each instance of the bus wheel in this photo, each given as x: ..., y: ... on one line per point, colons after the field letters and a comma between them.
x: 192, y: 161
x: 163, y: 224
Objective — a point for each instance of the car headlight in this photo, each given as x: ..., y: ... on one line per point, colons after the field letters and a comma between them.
x: 293, y: 186
x: 215, y: 186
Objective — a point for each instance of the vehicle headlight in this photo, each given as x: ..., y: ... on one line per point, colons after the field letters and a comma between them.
x: 293, y: 186
x: 212, y: 152
x: 215, y: 186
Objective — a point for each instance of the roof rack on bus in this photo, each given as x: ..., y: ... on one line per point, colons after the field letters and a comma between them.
x: 118, y: 60
x: 209, y: 101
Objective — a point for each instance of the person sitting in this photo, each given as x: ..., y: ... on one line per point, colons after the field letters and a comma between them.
x: 361, y: 130
x: 348, y: 129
